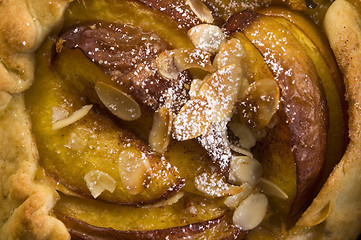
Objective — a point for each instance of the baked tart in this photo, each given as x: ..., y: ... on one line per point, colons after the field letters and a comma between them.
x: 186, y: 119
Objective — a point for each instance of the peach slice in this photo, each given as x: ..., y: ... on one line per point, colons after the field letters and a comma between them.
x: 191, y: 217
x: 302, y: 115
x: 92, y: 143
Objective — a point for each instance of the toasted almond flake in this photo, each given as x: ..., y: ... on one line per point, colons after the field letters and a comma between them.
x: 192, y: 58
x: 192, y: 121
x: 231, y: 52
x: 251, y: 211
x: 118, y: 102
x: 167, y: 202
x: 74, y: 117
x: 317, y: 217
x: 166, y: 65
x: 160, y: 133
x: 98, y: 181
x: 76, y: 141
x: 244, y: 169
x: 207, y: 37
x: 5, y: 99
x: 233, y: 201
x: 58, y: 113
x: 247, y: 138
x: 260, y: 103
x: 201, y: 10
x: 134, y: 169
x: 194, y: 89
x: 221, y: 90
x: 213, y: 186
x: 213, y: 104
x: 171, y: 62
x: 271, y: 189
x: 240, y: 150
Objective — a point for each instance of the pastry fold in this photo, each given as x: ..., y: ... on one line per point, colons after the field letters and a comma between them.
x: 337, y: 206
x: 24, y: 203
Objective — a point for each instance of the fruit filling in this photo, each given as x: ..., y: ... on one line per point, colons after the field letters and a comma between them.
x: 155, y: 120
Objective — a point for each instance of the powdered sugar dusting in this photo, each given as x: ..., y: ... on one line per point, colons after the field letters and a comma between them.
x: 192, y: 121
x: 215, y: 141
x: 177, y: 9
x: 207, y: 37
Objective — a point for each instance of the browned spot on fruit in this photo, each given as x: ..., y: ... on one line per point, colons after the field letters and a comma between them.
x: 127, y: 54
x: 176, y: 9
x: 239, y: 22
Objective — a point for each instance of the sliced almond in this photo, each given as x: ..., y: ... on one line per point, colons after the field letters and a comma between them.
x: 234, y: 200
x: 5, y: 99
x: 247, y: 137
x: 58, y: 113
x: 214, y: 186
x: 74, y: 117
x: 260, y: 103
x: 251, y: 211
x: 76, y: 140
x: 271, y: 189
x: 240, y: 150
x: 272, y: 123
x: 244, y: 169
x: 160, y: 133
x: 194, y: 88
x: 192, y: 58
x: 98, y: 181
x: 231, y: 52
x: 213, y: 104
x: 171, y: 62
x: 193, y: 120
x: 166, y: 66
x: 134, y: 169
x: 201, y: 10
x: 119, y: 103
x: 207, y: 37
x: 221, y: 90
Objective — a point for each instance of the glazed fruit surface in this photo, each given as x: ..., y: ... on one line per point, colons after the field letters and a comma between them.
x: 109, y: 47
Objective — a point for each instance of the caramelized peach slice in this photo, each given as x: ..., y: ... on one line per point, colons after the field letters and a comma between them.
x: 302, y: 115
x: 191, y: 217
x: 92, y: 143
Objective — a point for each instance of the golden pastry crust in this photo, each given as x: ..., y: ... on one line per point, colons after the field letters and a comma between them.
x: 23, y: 27
x: 24, y: 204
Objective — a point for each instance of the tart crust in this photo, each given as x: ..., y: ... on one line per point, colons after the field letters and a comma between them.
x: 25, y: 204
x: 340, y: 198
